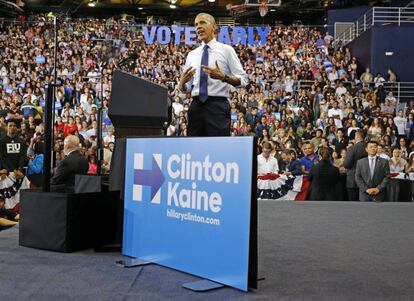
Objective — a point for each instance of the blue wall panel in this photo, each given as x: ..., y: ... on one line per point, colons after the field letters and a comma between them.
x: 400, y: 41
x: 345, y: 15
x: 361, y: 49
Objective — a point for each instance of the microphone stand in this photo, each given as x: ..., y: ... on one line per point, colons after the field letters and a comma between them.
x: 100, y: 150
x: 50, y: 100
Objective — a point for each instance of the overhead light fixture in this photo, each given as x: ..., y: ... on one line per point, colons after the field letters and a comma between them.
x: 173, y: 1
x: 211, y: 1
x: 92, y: 3
x: 140, y: 8
x: 272, y: 10
x: 173, y: 6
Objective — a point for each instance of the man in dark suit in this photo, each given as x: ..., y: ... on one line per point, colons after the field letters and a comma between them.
x: 372, y: 175
x: 73, y: 164
x: 356, y: 152
x: 323, y: 177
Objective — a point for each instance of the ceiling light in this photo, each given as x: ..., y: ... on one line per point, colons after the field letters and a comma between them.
x: 140, y: 8
x: 272, y: 10
x: 173, y: 6
x: 91, y: 4
x: 173, y: 1
x: 211, y: 1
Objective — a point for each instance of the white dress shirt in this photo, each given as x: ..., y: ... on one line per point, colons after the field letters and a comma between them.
x: 228, y: 62
x: 177, y: 108
x: 333, y: 112
x: 265, y: 166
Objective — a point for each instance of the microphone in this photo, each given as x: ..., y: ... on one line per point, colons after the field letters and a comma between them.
x: 133, y: 56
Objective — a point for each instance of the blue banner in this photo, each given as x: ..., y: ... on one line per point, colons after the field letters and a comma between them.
x: 187, y: 205
x: 228, y: 35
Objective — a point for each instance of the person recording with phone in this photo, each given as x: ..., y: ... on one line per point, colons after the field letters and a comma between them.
x: 209, y: 72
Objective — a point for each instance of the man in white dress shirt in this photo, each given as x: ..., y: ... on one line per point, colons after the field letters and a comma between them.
x: 265, y: 162
x: 209, y: 72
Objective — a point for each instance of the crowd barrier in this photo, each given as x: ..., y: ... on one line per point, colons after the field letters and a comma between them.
x: 276, y: 187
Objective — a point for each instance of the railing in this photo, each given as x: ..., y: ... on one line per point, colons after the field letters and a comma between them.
x: 403, y: 91
x: 382, y: 16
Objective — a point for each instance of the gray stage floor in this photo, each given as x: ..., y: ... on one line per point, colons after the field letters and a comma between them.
x: 307, y: 251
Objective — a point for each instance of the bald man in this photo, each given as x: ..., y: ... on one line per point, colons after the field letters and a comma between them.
x: 73, y: 164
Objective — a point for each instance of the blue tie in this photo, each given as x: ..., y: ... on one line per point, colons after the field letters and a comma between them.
x: 203, y: 76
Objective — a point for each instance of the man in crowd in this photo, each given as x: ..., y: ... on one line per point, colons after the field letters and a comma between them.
x: 340, y: 142
x: 293, y: 166
x: 13, y: 150
x: 372, y: 175
x: 355, y: 153
x: 73, y: 164
x: 266, y: 164
x: 400, y: 122
x: 309, y: 158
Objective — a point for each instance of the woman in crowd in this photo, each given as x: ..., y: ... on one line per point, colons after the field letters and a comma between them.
x: 397, y: 163
x: 410, y: 122
x: 376, y: 128
x: 339, y: 160
x: 274, y: 128
x: 409, y: 167
x: 241, y: 127
x: 264, y: 138
x: 92, y: 165
x: 35, y: 165
x: 70, y: 127
x: 59, y: 125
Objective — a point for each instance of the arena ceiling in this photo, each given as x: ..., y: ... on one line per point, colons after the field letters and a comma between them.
x: 177, y: 9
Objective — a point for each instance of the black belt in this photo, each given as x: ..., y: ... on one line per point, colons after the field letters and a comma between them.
x: 211, y: 98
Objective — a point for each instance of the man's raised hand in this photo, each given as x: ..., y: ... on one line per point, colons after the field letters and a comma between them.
x: 214, y: 73
x: 186, y: 76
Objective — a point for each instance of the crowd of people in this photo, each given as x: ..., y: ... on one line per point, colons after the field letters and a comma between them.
x: 294, y: 121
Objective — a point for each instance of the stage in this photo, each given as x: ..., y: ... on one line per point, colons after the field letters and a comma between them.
x: 307, y: 251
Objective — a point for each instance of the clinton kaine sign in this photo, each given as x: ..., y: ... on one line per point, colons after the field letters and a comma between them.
x: 188, y: 205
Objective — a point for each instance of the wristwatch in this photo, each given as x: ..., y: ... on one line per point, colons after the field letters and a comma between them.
x: 226, y: 78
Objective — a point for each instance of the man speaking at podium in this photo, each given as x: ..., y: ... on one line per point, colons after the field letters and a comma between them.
x: 209, y: 72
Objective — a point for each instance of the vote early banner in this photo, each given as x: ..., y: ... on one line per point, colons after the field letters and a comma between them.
x: 190, y: 205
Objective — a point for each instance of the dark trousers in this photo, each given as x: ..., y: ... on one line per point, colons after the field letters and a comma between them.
x: 211, y: 118
x: 353, y: 194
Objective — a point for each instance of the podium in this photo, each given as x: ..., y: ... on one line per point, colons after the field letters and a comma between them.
x: 137, y: 107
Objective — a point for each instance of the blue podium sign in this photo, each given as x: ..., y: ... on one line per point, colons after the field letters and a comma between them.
x: 188, y: 205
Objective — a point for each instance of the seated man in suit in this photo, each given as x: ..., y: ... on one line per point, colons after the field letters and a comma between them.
x: 372, y: 175
x: 74, y: 163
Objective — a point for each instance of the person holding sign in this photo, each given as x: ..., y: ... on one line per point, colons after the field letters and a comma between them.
x: 209, y: 72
